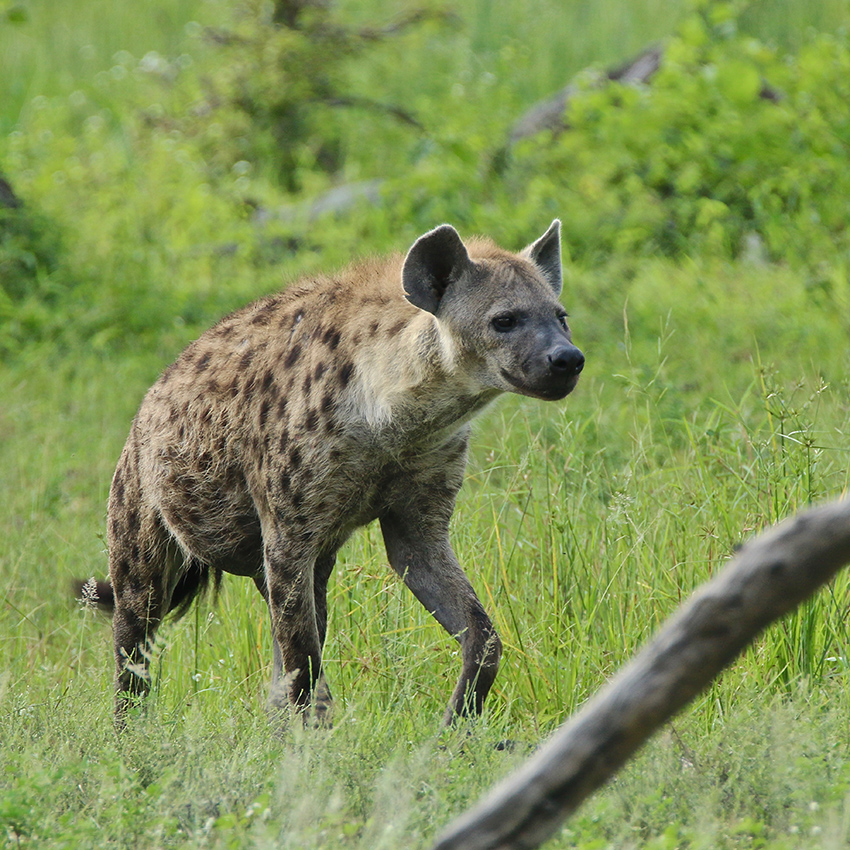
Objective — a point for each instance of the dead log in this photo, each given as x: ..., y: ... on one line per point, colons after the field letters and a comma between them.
x: 769, y: 577
x: 550, y: 114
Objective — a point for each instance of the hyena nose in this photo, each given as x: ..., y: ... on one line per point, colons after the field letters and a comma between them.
x: 566, y: 360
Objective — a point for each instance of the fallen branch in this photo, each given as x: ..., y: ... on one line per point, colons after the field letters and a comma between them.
x: 550, y: 114
x: 769, y: 577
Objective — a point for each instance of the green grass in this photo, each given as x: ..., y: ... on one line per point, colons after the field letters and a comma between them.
x: 582, y: 526
x: 714, y: 403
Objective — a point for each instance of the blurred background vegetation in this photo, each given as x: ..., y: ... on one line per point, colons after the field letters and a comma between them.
x: 163, y: 163
x: 173, y: 161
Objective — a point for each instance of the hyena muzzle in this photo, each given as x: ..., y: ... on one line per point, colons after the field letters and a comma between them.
x: 312, y: 412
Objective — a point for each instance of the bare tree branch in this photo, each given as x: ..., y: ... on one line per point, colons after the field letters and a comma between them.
x: 770, y: 576
x: 396, y: 112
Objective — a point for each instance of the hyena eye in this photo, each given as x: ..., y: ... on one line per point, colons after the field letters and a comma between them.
x: 563, y: 320
x: 503, y: 323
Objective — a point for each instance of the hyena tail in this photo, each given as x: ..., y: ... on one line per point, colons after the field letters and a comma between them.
x: 195, y: 581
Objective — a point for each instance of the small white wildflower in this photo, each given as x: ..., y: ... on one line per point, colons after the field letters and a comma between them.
x: 88, y: 593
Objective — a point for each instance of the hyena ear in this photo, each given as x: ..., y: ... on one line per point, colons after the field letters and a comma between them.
x: 434, y: 262
x: 545, y: 253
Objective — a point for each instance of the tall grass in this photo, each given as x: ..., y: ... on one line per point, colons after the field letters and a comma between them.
x: 714, y: 403
x: 581, y: 526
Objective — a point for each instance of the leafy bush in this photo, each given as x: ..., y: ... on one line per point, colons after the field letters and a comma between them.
x: 169, y: 178
x: 31, y: 277
x: 271, y: 84
x: 732, y: 148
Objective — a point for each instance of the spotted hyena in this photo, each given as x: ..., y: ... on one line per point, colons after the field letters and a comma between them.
x: 309, y: 413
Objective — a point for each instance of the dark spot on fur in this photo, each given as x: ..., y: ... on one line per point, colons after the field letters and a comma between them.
x: 212, y: 386
x: 119, y: 488
x: 331, y: 338
x: 311, y: 420
x: 234, y: 388
x: 205, y: 461
x: 203, y: 362
x: 373, y: 328
x: 297, y: 499
x: 345, y: 373
x: 281, y: 407
x: 268, y: 379
x: 133, y: 521
x: 292, y: 356
x: 246, y: 359
x: 285, y: 481
x: 319, y: 371
x: 308, y: 383
x: 262, y: 317
x: 134, y: 553
x: 327, y: 403
x: 166, y: 375
x: 295, y: 457
x: 206, y: 416
x: 397, y: 327
x: 263, y: 414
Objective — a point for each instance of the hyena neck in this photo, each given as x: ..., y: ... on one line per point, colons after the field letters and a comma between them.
x: 415, y: 383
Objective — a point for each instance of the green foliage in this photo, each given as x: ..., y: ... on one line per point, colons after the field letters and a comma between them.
x: 733, y: 148
x: 31, y: 277
x: 265, y: 91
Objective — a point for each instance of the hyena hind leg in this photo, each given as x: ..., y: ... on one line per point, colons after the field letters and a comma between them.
x: 143, y: 561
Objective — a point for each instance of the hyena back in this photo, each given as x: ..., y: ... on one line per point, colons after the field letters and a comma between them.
x: 309, y: 413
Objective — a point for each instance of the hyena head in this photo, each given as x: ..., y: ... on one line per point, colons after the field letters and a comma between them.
x: 500, y: 310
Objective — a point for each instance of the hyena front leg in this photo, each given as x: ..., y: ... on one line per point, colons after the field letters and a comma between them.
x: 321, y: 696
x: 322, y: 699
x: 419, y: 551
x: 290, y: 588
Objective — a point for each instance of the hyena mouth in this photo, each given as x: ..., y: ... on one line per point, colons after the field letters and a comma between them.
x: 552, y: 389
